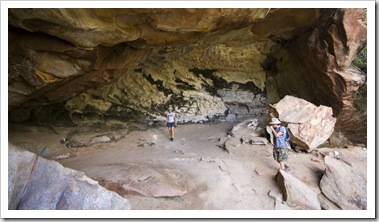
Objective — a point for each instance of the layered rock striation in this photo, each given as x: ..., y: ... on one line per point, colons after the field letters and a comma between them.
x: 131, y: 64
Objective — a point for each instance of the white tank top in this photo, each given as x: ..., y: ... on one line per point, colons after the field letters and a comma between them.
x: 171, y: 117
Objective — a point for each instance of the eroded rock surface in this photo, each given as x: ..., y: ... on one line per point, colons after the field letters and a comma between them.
x: 130, y: 64
x: 343, y: 185
x: 297, y: 194
x: 35, y: 183
x: 138, y: 180
x: 192, y: 172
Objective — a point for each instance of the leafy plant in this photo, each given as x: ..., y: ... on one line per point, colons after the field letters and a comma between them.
x: 360, y: 59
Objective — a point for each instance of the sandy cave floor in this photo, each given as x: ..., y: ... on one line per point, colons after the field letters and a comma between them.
x: 213, y: 178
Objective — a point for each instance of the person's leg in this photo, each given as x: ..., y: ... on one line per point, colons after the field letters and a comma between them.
x: 172, y: 132
x: 276, y: 155
x: 282, y: 157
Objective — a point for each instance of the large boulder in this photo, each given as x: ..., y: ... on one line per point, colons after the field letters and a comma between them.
x: 309, y: 125
x: 35, y: 183
x: 343, y: 185
x: 316, y: 66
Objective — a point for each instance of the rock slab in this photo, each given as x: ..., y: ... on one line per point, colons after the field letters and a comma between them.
x: 39, y: 184
x: 343, y: 185
x: 297, y: 194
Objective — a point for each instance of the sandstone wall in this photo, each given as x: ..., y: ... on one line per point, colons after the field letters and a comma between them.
x: 133, y: 63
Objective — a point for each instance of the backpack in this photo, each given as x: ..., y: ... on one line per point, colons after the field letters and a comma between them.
x: 287, y: 134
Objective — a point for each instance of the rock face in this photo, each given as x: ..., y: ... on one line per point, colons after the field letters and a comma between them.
x: 140, y: 180
x: 343, y: 185
x: 29, y: 187
x: 130, y: 64
x: 317, y: 66
x: 297, y: 195
x: 310, y: 125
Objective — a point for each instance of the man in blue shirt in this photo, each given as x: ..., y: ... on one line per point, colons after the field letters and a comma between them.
x: 280, y: 151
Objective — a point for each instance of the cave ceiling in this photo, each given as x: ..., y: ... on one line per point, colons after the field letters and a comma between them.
x: 118, y: 62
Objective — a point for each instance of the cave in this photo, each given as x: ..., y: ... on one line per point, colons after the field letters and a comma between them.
x: 98, y: 75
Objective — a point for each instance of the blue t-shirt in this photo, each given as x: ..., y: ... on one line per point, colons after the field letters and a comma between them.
x: 281, y: 141
x: 171, y: 117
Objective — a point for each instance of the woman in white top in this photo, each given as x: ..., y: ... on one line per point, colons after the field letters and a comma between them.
x: 171, y: 122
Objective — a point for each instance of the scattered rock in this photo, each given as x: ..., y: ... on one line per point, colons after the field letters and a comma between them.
x: 147, y: 142
x: 343, y: 186
x: 232, y: 144
x: 222, y: 141
x: 258, y: 141
x: 88, y: 139
x: 297, y: 194
x: 100, y: 139
x: 247, y: 128
x: 246, y: 132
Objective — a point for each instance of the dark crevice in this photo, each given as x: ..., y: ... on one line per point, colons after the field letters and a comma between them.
x: 183, y: 85
x: 158, y: 84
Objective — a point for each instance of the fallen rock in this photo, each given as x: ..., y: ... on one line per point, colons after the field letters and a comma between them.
x: 297, y: 194
x: 232, y: 144
x: 247, y: 131
x: 100, y: 139
x: 147, y: 142
x: 89, y: 139
x: 221, y: 142
x: 258, y: 141
x: 249, y: 127
x: 39, y: 184
x: 309, y: 125
x: 345, y: 187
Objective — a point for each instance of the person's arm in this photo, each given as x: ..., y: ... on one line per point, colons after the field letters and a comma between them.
x: 175, y: 119
x: 166, y: 119
x: 276, y: 134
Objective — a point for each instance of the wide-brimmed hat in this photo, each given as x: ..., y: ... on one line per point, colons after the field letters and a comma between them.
x: 274, y: 121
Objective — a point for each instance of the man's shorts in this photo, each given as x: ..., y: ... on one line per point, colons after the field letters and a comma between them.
x: 170, y: 125
x: 280, y: 154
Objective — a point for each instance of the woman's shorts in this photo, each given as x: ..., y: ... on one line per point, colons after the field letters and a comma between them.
x: 280, y: 154
x: 170, y: 125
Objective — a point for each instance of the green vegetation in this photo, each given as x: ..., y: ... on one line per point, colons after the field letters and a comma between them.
x: 360, y: 101
x: 360, y: 61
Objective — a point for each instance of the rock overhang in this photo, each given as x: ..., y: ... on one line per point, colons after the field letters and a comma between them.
x: 141, y: 60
